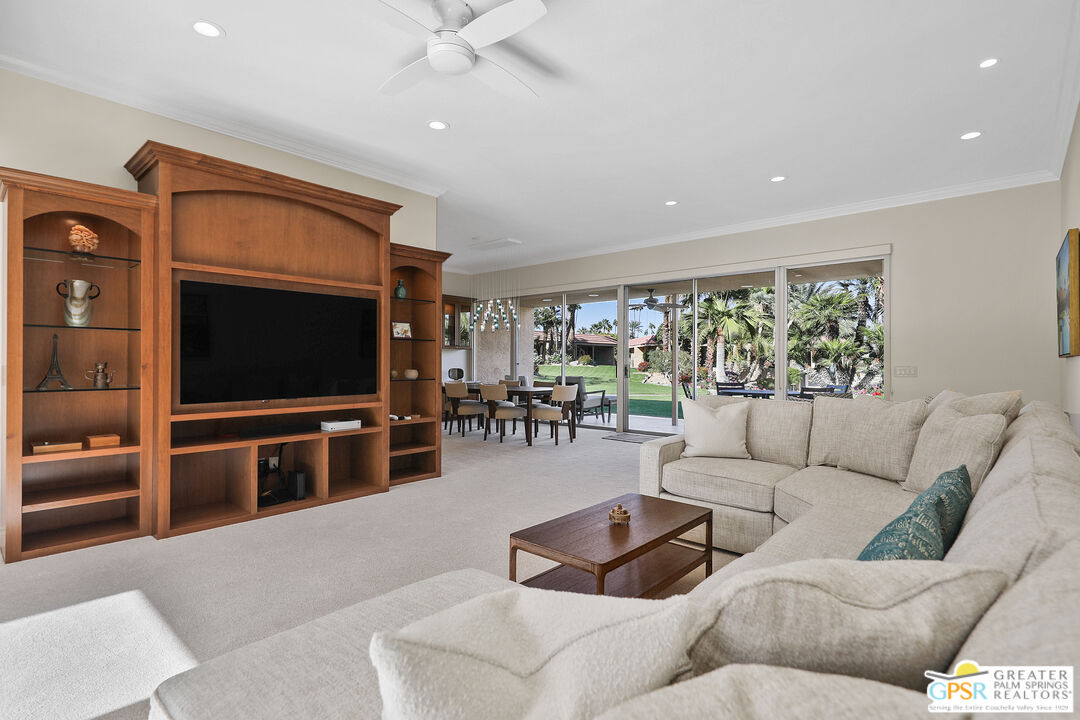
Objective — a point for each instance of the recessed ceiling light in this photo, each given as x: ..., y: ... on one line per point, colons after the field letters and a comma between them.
x: 798, y: 275
x: 545, y: 300
x: 671, y: 202
x: 748, y: 286
x: 594, y: 294
x: 778, y: 178
x: 208, y: 29
x: 438, y: 125
x: 988, y: 62
x: 970, y: 135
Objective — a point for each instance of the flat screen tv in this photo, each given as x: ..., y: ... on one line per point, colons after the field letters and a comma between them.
x: 240, y: 343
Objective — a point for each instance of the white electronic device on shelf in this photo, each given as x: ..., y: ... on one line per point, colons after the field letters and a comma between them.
x: 337, y: 425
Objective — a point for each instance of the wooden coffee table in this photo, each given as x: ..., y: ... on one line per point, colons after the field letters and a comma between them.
x: 635, y: 560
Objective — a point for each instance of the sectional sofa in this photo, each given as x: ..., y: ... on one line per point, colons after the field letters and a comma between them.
x: 784, y: 504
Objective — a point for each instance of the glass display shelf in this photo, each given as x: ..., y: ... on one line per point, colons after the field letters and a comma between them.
x: 85, y: 259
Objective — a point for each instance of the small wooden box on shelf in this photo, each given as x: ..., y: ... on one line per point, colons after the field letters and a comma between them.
x: 76, y: 494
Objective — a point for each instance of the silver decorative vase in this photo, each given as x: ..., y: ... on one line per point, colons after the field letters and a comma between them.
x: 77, y: 295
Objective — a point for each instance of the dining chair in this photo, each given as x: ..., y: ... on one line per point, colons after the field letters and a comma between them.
x: 504, y: 409
x: 563, y: 398
x: 460, y: 407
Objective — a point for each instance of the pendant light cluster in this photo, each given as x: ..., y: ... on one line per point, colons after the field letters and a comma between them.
x: 493, y: 315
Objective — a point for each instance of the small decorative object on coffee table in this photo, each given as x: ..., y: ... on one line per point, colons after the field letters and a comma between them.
x: 619, y: 515
x: 54, y: 370
x: 401, y: 330
x: 399, y: 291
x: 621, y: 561
x: 83, y: 240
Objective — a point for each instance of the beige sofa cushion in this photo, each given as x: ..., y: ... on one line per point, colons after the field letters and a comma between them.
x: 777, y: 431
x: 801, y: 491
x: 949, y: 439
x: 725, y: 481
x: 736, y: 529
x: 1023, y: 521
x: 881, y: 437
x: 884, y: 621
x: 766, y: 692
x: 1000, y: 403
x: 317, y: 670
x: 1041, y: 418
x: 718, y: 432
x: 830, y: 428
x: 1036, y: 621
x: 532, y: 653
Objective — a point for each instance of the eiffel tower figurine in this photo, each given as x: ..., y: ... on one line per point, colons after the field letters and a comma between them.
x: 54, y: 370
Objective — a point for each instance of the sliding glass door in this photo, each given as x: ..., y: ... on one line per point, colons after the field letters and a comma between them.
x: 660, y: 363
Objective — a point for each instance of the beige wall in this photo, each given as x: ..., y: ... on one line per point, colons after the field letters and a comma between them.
x: 972, y: 303
x: 49, y: 129
x: 457, y: 284
x: 1070, y: 218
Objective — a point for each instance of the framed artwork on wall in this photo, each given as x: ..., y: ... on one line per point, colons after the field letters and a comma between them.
x: 1068, y: 295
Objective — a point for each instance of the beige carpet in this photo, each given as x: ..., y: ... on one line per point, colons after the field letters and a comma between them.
x: 226, y: 587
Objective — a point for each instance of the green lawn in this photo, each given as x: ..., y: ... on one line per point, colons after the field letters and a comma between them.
x: 651, y: 400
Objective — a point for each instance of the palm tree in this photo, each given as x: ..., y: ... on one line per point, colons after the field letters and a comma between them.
x: 723, y: 315
x: 635, y: 327
x: 842, y: 355
x: 824, y: 312
x: 571, y: 311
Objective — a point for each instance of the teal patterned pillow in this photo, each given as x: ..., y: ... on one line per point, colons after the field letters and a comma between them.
x: 928, y: 527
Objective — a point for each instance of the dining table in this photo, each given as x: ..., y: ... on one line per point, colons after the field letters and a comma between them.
x: 522, y: 391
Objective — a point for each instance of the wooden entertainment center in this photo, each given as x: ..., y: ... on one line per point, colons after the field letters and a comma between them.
x: 183, y: 468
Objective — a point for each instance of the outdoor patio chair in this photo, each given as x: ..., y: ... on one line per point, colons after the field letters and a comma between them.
x: 721, y: 386
x: 595, y: 402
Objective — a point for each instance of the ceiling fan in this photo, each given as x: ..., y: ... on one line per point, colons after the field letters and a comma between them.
x: 455, y: 34
x: 653, y: 303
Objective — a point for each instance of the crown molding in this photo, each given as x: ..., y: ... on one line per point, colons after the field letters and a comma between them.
x: 885, y: 203
x: 232, y: 128
x: 1068, y: 96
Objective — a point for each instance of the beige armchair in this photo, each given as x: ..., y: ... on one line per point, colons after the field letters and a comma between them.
x: 562, y: 408
x: 460, y: 407
x: 501, y: 409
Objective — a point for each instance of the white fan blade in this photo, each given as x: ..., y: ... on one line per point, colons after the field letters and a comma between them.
x: 406, y: 11
x: 501, y: 80
x: 408, y: 76
x: 502, y: 22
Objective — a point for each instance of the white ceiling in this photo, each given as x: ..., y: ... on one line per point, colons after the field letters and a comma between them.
x: 860, y: 103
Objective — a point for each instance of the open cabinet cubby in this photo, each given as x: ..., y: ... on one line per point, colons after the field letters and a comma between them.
x: 58, y: 501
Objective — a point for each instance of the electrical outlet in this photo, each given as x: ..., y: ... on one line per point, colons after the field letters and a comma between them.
x: 273, y: 464
x: 905, y: 371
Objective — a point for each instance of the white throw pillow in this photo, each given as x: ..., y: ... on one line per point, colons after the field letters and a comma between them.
x: 888, y: 621
x: 715, y: 431
x: 829, y: 431
x: 949, y: 439
x: 532, y: 653
x: 881, y: 437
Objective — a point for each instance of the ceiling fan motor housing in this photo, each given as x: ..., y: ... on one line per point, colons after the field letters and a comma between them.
x: 449, y: 54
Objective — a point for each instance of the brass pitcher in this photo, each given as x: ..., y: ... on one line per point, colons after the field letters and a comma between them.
x: 100, y: 375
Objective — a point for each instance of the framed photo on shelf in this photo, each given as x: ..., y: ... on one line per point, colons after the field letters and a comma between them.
x: 401, y: 329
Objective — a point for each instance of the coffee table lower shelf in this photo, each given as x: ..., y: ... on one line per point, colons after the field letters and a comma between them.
x: 640, y: 578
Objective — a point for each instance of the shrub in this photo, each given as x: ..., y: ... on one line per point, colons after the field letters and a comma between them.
x: 660, y: 360
x: 794, y: 377
x: 644, y: 366
x: 684, y: 377
x: 584, y: 360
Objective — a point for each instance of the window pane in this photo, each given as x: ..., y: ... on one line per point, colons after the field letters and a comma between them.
x: 736, y: 318
x: 448, y: 323
x: 465, y: 325
x: 836, y: 330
